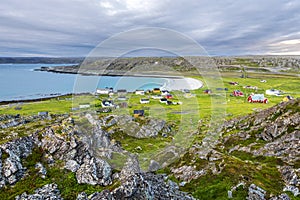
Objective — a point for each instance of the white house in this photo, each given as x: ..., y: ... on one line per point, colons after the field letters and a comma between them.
x: 144, y: 101
x: 157, y: 97
x: 107, y: 103
x: 121, y: 92
x: 163, y: 100
x: 104, y: 90
x: 84, y: 105
x: 122, y: 98
x: 273, y: 92
x: 140, y: 92
x: 164, y: 92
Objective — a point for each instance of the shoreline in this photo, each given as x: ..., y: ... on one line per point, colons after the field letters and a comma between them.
x: 17, y: 101
x: 182, y: 83
x: 174, y: 83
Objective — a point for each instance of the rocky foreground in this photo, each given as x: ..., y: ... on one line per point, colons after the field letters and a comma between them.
x: 256, y: 157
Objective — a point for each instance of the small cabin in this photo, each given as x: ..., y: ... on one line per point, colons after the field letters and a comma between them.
x: 140, y: 92
x: 169, y: 96
x: 156, y: 90
x: 257, y: 98
x: 107, y: 103
x: 233, y: 83
x: 207, y: 91
x: 156, y: 97
x: 287, y: 98
x: 186, y: 91
x: 273, y: 92
x: 43, y: 114
x: 165, y: 92
x: 122, y: 92
x: 104, y: 90
x: 138, y: 113
x: 122, y: 98
x: 237, y: 93
x: 251, y: 87
x: 144, y: 101
x: 169, y: 103
x: 163, y: 100
x: 84, y: 105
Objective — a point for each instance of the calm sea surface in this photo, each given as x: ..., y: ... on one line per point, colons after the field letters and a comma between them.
x: 20, y: 81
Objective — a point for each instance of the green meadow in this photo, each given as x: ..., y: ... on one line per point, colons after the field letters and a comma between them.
x: 197, y: 112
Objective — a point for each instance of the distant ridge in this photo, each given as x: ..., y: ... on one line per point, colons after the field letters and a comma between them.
x: 41, y: 60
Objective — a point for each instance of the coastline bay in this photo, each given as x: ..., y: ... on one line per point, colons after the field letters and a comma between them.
x: 23, y: 82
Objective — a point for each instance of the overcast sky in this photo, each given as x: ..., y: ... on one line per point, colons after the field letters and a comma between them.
x: 75, y: 27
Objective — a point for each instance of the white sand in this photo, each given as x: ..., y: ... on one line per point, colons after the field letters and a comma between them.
x: 182, y: 83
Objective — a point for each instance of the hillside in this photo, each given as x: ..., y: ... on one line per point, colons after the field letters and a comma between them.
x: 83, y: 157
x: 175, y: 65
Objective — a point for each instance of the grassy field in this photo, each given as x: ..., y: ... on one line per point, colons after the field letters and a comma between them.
x: 202, y: 103
x: 200, y: 110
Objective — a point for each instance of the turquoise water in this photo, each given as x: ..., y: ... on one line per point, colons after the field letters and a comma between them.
x: 20, y: 81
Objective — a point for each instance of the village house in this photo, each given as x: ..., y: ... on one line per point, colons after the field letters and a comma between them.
x: 122, y: 92
x: 144, y: 101
x: 237, y: 93
x: 156, y: 97
x: 138, y: 113
x: 165, y: 92
x: 163, y: 100
x: 273, y: 92
x: 207, y: 91
x: 84, y: 105
x: 156, y: 90
x: 233, y: 83
x: 107, y: 103
x: 140, y: 92
x: 169, y: 96
x: 257, y: 98
x: 251, y: 87
x: 104, y: 90
x: 287, y: 98
x: 43, y: 114
x: 122, y: 98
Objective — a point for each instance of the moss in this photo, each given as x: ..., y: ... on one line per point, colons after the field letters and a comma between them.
x: 4, y: 156
x: 66, y: 180
x: 212, y: 186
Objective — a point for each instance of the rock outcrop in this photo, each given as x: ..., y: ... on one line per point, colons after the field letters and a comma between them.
x: 12, y: 153
x: 49, y: 191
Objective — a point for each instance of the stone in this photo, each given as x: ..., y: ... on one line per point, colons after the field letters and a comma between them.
x: 72, y: 165
x: 49, y: 191
x: 256, y: 193
x: 82, y: 196
x: 94, y: 171
x: 154, y: 166
x: 42, y: 170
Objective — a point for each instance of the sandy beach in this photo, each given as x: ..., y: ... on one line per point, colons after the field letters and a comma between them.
x: 182, y: 83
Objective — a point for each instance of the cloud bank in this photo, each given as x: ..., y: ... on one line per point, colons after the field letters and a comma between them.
x: 75, y: 27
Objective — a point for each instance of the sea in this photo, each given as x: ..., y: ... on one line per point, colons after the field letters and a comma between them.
x: 22, y: 81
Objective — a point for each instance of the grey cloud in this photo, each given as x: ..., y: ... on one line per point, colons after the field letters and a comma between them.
x: 75, y: 27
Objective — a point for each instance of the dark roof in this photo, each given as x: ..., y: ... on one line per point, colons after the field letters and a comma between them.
x: 139, y: 112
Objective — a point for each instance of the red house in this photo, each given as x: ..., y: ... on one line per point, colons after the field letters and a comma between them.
x: 169, y: 96
x: 238, y: 93
x: 257, y: 98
